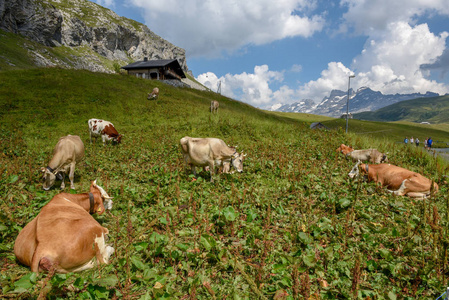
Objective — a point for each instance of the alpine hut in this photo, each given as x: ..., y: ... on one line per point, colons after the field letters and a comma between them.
x: 161, y: 69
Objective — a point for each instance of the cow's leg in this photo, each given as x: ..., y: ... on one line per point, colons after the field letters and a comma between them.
x: 212, y: 171
x: 104, y: 251
x: 417, y: 195
x: 72, y: 175
x: 63, y: 181
x: 412, y: 188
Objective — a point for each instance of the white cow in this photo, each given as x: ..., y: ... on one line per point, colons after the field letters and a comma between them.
x: 214, y: 106
x: 210, y: 152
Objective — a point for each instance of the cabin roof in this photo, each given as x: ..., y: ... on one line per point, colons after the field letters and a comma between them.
x: 148, y: 64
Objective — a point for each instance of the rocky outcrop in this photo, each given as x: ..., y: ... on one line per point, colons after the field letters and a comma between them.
x: 96, y: 35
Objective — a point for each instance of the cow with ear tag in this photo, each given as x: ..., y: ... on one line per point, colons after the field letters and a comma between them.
x: 64, y: 237
x: 68, y: 151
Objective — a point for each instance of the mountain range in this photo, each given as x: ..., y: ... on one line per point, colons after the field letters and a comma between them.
x: 364, y: 99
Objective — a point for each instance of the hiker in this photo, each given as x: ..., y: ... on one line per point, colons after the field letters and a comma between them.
x: 429, y: 142
x: 426, y: 144
x: 417, y: 142
x: 412, y: 141
x: 406, y: 140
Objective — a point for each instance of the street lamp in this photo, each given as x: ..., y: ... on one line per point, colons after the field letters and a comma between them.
x: 347, y: 102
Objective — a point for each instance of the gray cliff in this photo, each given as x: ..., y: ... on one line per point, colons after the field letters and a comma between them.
x: 90, y: 36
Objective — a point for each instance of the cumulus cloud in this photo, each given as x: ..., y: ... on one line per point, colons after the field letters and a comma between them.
x: 252, y: 88
x: 335, y: 77
x: 376, y: 15
x: 213, y: 26
x: 440, y: 64
x: 391, y: 62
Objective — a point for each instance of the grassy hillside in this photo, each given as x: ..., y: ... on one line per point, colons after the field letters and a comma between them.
x: 292, y: 222
x: 393, y: 132
x: 433, y: 110
x: 18, y: 53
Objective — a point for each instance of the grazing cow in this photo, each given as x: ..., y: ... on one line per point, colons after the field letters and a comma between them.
x: 214, y: 106
x: 371, y: 155
x: 210, y: 152
x: 154, y: 94
x: 397, y: 180
x: 68, y: 151
x: 64, y: 237
x: 105, y: 129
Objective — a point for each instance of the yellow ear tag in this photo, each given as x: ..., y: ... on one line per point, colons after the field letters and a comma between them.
x: 99, y: 209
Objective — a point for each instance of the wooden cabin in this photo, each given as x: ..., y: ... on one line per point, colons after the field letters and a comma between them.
x: 161, y: 69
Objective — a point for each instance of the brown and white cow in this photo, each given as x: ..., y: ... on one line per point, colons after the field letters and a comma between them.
x: 397, y: 180
x: 214, y: 106
x: 105, y: 129
x: 154, y: 94
x: 371, y: 155
x: 68, y: 151
x: 210, y: 152
x: 64, y: 236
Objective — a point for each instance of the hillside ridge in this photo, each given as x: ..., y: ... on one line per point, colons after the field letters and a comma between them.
x: 97, y: 37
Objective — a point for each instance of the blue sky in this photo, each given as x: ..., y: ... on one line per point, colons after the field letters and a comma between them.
x: 265, y: 52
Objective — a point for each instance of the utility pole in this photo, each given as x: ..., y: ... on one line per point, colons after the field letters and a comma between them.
x: 347, y: 102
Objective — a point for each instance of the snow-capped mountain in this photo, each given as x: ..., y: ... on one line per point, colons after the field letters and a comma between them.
x: 364, y: 99
x: 304, y: 106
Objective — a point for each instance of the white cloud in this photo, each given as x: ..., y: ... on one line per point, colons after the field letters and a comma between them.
x: 334, y: 77
x: 296, y: 68
x: 367, y: 16
x: 252, y: 88
x: 391, y: 61
x: 212, y: 26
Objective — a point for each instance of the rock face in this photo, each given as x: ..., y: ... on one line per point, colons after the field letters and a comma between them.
x: 92, y: 32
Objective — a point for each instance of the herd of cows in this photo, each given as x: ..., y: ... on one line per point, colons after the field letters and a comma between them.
x: 397, y: 180
x: 64, y: 237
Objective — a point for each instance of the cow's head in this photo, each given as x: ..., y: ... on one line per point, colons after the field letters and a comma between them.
x: 106, y: 200
x: 355, y: 171
x: 344, y: 149
x: 117, y: 139
x: 49, y: 177
x: 237, y: 161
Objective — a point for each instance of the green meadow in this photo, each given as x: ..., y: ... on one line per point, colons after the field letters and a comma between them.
x: 291, y: 226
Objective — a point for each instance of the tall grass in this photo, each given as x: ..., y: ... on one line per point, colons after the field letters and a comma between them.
x: 292, y: 223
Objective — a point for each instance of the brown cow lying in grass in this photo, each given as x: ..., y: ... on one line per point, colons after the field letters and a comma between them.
x: 371, y: 155
x: 64, y: 237
x: 397, y: 180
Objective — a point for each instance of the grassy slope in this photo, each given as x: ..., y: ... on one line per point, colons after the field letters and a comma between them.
x: 433, y: 110
x: 394, y: 132
x: 292, y: 221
